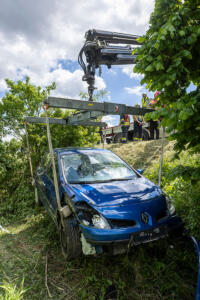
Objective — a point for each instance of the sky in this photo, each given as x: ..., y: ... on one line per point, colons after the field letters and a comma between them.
x: 42, y: 39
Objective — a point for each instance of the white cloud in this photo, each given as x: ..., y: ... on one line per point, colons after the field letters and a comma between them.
x: 3, y: 86
x: 68, y: 84
x: 111, y: 120
x: 136, y: 90
x: 36, y: 35
x: 128, y: 70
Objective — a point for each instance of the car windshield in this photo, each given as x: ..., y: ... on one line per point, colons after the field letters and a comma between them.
x: 94, y: 167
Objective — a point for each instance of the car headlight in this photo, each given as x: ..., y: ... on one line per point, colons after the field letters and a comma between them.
x: 100, y: 222
x: 170, y: 206
x: 88, y: 216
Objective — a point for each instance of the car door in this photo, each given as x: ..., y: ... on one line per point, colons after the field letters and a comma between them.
x: 40, y: 179
x: 49, y: 188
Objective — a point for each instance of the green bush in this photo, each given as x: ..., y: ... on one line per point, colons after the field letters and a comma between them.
x: 185, y: 194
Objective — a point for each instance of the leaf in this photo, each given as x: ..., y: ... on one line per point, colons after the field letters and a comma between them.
x: 187, y: 54
x: 183, y: 115
x: 150, y: 68
x: 159, y: 66
x: 141, y: 39
x: 181, y: 32
x: 168, y: 82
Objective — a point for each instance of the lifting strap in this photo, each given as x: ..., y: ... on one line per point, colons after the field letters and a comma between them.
x: 161, y: 156
x: 30, y: 163
x: 45, y: 107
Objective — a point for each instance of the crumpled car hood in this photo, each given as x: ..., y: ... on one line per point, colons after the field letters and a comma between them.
x: 118, y: 193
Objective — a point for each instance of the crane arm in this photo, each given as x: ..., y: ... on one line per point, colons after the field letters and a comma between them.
x: 105, y: 48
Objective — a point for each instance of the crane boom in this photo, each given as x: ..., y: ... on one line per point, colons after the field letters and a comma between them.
x: 105, y: 48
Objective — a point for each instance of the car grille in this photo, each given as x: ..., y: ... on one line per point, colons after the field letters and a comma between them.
x: 117, y: 223
x: 149, y: 235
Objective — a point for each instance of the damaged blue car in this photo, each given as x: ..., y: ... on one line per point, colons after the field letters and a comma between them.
x: 107, y: 206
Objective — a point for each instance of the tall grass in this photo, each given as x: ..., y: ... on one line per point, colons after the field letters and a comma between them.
x: 10, y: 291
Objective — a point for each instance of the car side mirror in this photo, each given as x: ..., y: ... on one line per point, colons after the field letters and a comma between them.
x: 39, y: 170
x: 140, y: 171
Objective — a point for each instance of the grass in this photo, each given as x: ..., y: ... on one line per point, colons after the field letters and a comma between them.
x: 32, y: 266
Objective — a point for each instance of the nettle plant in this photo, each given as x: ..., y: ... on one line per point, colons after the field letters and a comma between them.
x: 169, y: 59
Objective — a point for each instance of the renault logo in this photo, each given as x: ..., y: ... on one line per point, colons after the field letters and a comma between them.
x: 145, y: 218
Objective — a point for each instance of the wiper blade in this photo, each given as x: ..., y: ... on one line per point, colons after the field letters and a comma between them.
x: 118, y: 179
x: 99, y: 181
x: 79, y: 182
x: 86, y: 182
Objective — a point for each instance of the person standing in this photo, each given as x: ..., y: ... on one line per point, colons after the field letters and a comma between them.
x: 153, y: 129
x: 138, y: 122
x: 145, y: 101
x: 154, y: 124
x: 101, y: 135
x: 125, y: 124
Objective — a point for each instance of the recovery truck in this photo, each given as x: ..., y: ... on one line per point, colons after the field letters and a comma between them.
x: 114, y: 134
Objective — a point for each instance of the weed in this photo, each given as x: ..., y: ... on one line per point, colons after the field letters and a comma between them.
x: 11, y: 291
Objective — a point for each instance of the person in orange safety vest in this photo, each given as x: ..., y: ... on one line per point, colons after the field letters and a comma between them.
x: 125, y: 124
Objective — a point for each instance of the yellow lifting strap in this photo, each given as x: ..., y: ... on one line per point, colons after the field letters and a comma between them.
x: 161, y: 156
x: 45, y: 107
x: 30, y: 163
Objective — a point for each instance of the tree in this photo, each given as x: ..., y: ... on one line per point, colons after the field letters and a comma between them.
x: 99, y: 95
x: 24, y: 99
x: 170, y: 61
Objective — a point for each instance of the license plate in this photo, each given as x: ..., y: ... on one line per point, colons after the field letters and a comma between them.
x: 149, y: 235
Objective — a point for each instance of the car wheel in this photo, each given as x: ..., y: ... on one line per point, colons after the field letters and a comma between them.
x: 70, y: 239
x: 108, y: 141
x: 117, y: 138
x: 145, y: 135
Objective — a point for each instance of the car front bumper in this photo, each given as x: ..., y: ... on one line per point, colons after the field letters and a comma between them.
x: 136, y: 235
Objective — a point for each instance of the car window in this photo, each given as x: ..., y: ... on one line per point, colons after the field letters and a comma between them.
x: 95, y: 166
x: 48, y: 165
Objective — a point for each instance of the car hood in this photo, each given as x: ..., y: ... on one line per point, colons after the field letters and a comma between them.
x: 118, y: 192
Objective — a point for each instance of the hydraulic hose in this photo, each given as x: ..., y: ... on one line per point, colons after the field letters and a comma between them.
x: 197, y: 246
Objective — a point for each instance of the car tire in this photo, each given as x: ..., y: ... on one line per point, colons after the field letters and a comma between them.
x: 70, y: 239
x: 108, y: 141
x: 145, y: 135
x: 117, y: 138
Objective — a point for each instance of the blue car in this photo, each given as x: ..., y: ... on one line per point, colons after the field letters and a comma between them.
x: 107, y: 206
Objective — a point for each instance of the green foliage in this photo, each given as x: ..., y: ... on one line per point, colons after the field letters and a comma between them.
x: 176, y: 181
x: 98, y: 96
x: 24, y: 99
x: 170, y: 61
x: 11, y: 292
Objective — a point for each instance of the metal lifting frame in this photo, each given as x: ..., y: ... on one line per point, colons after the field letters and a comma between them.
x: 89, y: 111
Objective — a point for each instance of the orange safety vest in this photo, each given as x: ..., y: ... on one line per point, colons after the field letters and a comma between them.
x: 125, y: 120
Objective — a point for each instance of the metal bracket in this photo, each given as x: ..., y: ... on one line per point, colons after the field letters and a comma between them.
x: 40, y: 120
